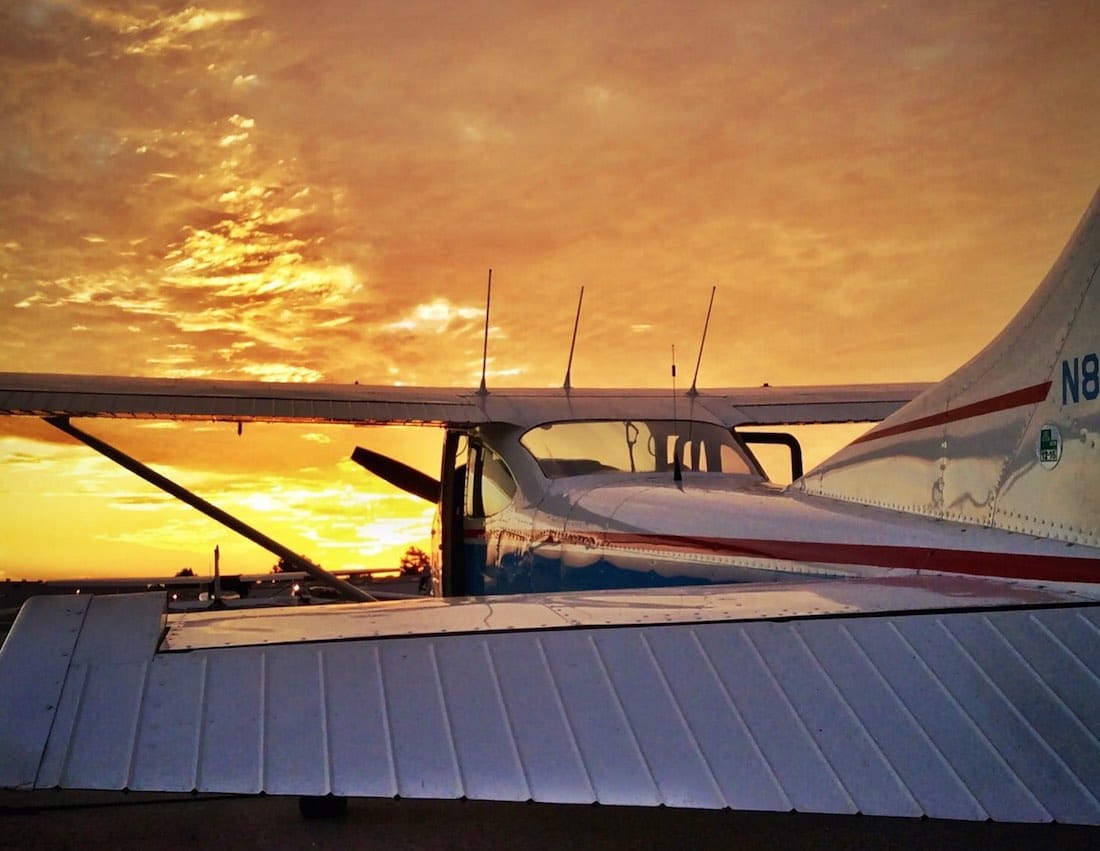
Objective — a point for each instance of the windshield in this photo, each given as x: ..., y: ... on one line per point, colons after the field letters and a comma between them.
x: 634, y: 446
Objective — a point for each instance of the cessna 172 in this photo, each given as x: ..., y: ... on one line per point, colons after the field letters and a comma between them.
x: 940, y: 548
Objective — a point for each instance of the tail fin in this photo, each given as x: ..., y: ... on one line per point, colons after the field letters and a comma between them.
x: 1009, y: 440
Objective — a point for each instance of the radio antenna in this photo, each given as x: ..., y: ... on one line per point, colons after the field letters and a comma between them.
x: 674, y: 382
x: 567, y: 386
x: 702, y: 342
x: 677, y: 471
x: 483, y: 390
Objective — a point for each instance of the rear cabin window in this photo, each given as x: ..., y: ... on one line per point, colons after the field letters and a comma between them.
x: 634, y: 446
x: 490, y: 486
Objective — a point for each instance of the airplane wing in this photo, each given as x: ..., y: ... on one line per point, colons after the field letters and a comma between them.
x: 812, y: 405
x: 235, y: 401
x: 916, y: 696
x: 47, y: 395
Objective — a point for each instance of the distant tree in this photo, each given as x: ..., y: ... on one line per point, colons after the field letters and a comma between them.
x: 285, y: 565
x: 415, y: 561
x: 186, y: 572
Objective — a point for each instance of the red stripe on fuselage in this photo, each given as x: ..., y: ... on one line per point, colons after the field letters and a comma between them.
x: 974, y: 562
x: 1046, y: 568
x: 1004, y: 402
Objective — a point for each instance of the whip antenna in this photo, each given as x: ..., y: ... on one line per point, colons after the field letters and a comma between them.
x: 576, y: 324
x: 674, y: 382
x: 485, y: 346
x: 677, y: 471
x: 702, y: 342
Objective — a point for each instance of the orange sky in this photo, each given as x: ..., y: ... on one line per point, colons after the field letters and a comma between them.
x: 314, y: 191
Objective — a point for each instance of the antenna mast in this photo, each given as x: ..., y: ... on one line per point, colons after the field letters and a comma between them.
x: 677, y: 470
x: 702, y: 342
x: 567, y: 385
x: 674, y: 382
x: 483, y: 390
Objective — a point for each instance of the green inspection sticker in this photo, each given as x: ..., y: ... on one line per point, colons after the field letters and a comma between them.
x: 1048, y: 448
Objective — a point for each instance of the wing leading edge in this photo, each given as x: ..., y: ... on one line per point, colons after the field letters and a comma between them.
x: 50, y: 395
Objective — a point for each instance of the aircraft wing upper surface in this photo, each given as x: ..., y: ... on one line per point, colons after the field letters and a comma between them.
x: 32, y: 394
x: 908, y: 697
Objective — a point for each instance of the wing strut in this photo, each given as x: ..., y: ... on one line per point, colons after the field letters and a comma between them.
x: 211, y: 511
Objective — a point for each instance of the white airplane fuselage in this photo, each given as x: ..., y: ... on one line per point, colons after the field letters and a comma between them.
x: 613, y: 529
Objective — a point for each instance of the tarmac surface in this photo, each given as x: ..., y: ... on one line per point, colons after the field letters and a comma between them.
x: 92, y: 820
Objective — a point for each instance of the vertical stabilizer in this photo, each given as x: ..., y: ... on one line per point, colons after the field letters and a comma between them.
x: 1009, y: 440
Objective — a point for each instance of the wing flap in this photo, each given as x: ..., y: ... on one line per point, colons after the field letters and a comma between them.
x: 851, y: 403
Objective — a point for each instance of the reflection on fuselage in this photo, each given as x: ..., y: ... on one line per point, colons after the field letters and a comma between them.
x: 582, y: 505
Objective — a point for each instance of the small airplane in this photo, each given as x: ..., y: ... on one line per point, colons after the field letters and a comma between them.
x: 858, y: 630
x: 991, y: 472
x: 493, y: 494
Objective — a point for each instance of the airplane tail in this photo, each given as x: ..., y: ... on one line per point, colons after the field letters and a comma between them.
x: 1009, y: 440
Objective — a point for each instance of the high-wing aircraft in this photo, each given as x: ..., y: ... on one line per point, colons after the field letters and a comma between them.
x: 986, y: 473
x: 494, y: 495
x: 930, y: 648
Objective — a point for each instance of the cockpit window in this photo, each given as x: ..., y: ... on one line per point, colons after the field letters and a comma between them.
x: 633, y: 446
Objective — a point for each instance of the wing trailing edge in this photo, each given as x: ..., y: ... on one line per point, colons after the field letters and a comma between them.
x: 49, y: 395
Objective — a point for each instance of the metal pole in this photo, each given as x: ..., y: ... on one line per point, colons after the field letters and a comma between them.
x: 217, y: 575
x: 568, y: 384
x: 702, y: 342
x: 485, y: 345
x: 211, y: 511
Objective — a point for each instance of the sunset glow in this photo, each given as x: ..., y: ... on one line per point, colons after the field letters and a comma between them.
x: 265, y: 189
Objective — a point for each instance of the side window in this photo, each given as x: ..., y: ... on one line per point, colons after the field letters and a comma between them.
x: 497, y: 485
x: 731, y: 462
x: 489, y: 486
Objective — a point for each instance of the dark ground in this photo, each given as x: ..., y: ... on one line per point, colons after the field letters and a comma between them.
x: 70, y: 820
